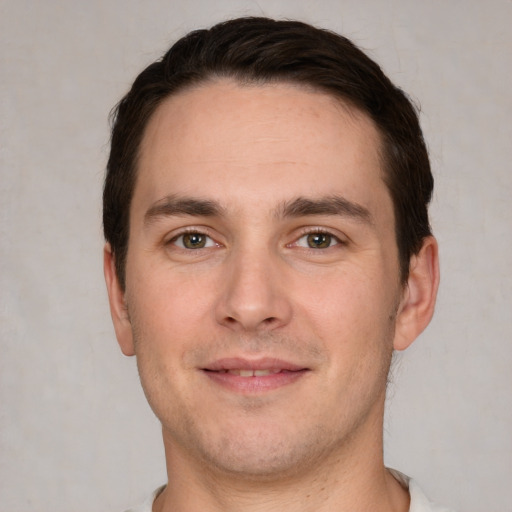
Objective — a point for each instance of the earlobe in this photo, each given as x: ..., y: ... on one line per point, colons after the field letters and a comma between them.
x: 419, y: 296
x: 118, y: 309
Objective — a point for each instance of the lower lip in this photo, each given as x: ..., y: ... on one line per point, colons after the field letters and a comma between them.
x: 255, y: 384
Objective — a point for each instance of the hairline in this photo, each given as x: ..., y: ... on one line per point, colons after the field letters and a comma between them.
x: 346, y: 104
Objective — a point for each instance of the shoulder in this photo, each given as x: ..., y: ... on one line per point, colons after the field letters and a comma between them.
x: 147, y: 504
x: 419, y: 502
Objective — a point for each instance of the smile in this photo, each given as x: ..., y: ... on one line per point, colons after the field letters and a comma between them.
x: 245, y: 376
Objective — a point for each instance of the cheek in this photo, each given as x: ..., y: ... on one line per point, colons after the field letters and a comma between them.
x: 170, y: 300
x: 161, y: 336
x: 346, y: 302
x: 353, y: 319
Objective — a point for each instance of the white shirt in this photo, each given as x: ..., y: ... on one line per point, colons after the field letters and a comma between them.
x: 419, y: 502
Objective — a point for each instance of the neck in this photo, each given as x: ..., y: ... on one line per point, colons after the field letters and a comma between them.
x: 352, y: 478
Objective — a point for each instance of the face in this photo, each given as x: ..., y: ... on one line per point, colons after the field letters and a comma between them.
x: 262, y: 280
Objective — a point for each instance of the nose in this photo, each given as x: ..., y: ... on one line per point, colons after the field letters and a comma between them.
x: 253, y: 295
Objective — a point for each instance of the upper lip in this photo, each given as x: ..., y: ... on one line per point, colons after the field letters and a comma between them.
x: 240, y: 363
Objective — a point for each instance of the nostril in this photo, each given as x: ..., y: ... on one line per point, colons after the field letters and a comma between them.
x: 265, y: 323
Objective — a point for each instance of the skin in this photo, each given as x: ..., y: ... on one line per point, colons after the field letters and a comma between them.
x: 238, y: 257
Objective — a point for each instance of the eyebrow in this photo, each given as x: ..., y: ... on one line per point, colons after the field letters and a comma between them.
x: 298, y: 207
x: 176, y: 206
x: 330, y: 205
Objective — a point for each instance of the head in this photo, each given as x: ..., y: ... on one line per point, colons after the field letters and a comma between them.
x: 265, y: 51
x: 265, y: 204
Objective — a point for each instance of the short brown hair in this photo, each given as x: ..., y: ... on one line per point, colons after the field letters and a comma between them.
x: 262, y: 50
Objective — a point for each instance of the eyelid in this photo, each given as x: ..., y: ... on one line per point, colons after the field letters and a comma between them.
x: 340, y: 238
x: 200, y: 230
x: 311, y: 230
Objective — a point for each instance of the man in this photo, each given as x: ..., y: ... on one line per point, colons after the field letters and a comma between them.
x: 268, y: 247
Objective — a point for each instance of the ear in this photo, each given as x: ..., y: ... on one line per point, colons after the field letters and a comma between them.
x: 118, y: 309
x: 419, y: 295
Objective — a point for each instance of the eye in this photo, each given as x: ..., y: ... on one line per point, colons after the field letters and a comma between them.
x: 317, y: 240
x: 193, y: 240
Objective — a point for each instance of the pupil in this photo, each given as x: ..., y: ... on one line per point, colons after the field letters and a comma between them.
x: 319, y: 240
x: 194, y: 240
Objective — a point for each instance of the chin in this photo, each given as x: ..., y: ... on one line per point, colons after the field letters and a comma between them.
x: 261, y: 454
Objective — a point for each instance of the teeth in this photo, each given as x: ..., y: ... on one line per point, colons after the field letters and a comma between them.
x: 252, y: 373
x: 261, y: 373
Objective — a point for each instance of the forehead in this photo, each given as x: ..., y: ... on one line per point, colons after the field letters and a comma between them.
x: 258, y: 142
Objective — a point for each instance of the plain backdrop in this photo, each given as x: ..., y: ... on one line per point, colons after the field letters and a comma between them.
x: 75, y: 431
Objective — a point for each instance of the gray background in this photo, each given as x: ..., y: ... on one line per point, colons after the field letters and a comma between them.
x: 75, y: 431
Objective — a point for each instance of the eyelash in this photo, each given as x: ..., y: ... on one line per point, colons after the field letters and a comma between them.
x: 306, y: 232
x: 191, y: 231
x: 320, y: 231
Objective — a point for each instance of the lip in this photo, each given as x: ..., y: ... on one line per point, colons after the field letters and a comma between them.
x: 281, y: 373
x: 241, y: 363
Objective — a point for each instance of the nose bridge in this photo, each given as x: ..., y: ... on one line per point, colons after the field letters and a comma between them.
x: 252, y: 297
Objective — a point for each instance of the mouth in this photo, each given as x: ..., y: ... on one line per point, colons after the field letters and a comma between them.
x: 251, y: 373
x: 254, y: 376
